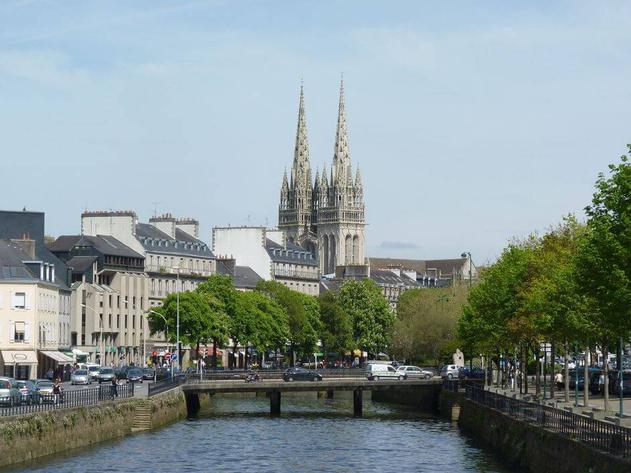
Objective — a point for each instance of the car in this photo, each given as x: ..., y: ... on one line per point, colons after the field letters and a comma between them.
x: 300, y: 374
x: 81, y: 377
x: 614, y: 383
x: 121, y: 372
x: 134, y: 375
x: 581, y: 377
x: 414, y: 372
x: 148, y: 374
x: 30, y: 394
x: 449, y: 371
x: 471, y: 373
x: 106, y: 374
x: 93, y: 369
x: 377, y: 371
x: 9, y: 393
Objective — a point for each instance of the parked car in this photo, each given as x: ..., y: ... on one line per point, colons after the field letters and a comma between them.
x: 375, y: 372
x: 471, y: 373
x: 45, y: 389
x: 9, y: 393
x: 597, y: 382
x: 30, y: 394
x: 614, y: 383
x: 81, y: 377
x: 148, y: 373
x: 106, y: 374
x: 121, y: 372
x: 134, y: 375
x: 94, y: 369
x: 581, y: 377
x: 449, y: 371
x: 414, y: 372
x: 301, y: 374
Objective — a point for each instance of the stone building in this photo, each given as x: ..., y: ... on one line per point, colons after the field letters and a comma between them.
x: 326, y: 215
x: 429, y: 273
x: 34, y: 299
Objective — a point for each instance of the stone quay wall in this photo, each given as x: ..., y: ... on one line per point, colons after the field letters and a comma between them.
x: 532, y: 448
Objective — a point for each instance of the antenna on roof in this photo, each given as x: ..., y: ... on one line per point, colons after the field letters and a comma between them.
x: 155, y: 208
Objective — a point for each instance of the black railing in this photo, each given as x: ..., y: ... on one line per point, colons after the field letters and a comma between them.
x: 599, y: 434
x: 166, y: 384
x: 81, y: 397
x: 452, y: 385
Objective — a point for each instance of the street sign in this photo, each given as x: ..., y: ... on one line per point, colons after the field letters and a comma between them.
x: 167, y: 356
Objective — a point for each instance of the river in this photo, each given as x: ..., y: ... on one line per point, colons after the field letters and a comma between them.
x: 312, y: 435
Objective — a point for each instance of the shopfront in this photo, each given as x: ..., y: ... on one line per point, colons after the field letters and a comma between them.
x: 19, y: 364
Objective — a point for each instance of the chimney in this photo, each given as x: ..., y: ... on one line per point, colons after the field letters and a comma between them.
x: 188, y: 225
x: 165, y: 223
x: 27, y: 245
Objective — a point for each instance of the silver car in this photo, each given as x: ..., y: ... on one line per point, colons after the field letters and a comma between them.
x: 415, y: 372
x: 9, y: 393
x: 106, y: 374
x: 81, y: 377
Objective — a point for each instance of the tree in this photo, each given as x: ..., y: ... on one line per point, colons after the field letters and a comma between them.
x: 603, y: 264
x: 198, y: 322
x: 337, y: 326
x: 370, y: 314
x: 303, y: 316
x: 425, y: 328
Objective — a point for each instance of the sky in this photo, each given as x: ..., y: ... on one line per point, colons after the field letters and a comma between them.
x: 473, y: 122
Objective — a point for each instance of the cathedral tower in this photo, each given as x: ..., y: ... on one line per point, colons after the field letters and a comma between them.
x: 326, y: 217
x: 339, y: 205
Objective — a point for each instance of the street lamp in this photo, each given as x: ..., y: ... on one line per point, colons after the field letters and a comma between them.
x: 177, y: 312
x: 167, y: 332
x: 467, y: 254
x: 101, y: 355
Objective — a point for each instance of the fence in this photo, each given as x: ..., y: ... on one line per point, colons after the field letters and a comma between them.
x: 165, y: 385
x: 38, y: 402
x: 602, y: 435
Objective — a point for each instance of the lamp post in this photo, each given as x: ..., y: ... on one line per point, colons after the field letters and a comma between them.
x: 101, y: 355
x: 167, y: 331
x: 177, y: 312
x: 467, y: 254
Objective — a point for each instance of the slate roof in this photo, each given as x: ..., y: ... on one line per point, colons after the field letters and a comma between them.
x: 80, y: 264
x: 245, y: 277
x: 444, y: 266
x: 385, y: 277
x: 11, y: 262
x: 289, y: 254
x: 156, y: 241
x: 104, y: 244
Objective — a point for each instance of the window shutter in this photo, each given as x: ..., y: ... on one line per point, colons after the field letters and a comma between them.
x: 11, y: 331
x: 27, y: 332
x: 27, y: 301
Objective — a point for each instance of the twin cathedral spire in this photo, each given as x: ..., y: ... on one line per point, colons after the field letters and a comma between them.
x: 325, y: 215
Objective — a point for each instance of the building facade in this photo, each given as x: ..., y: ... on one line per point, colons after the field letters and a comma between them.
x: 270, y: 255
x: 326, y: 216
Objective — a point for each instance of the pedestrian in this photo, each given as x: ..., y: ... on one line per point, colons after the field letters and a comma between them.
x: 558, y: 379
x: 57, y: 390
x: 114, y: 387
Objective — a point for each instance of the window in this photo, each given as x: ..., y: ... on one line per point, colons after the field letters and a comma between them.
x: 18, y: 300
x: 20, y: 331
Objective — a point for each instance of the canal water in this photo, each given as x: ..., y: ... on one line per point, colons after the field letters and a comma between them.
x: 312, y: 435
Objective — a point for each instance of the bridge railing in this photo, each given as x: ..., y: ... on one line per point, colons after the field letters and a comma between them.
x: 605, y: 436
x: 77, y: 398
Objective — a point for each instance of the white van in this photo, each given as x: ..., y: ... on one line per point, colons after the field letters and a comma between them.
x: 377, y: 371
x: 92, y: 368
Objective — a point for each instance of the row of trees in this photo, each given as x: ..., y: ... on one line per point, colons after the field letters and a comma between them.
x: 570, y: 287
x: 274, y: 317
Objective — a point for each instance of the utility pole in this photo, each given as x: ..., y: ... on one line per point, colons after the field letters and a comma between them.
x: 177, y: 312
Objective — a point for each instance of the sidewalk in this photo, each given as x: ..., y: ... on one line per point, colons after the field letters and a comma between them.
x: 595, y: 408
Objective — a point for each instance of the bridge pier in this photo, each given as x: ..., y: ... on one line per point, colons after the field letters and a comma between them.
x: 192, y: 404
x: 274, y: 403
x: 358, y: 402
x: 329, y: 394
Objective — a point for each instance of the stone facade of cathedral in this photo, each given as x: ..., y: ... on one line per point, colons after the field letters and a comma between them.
x: 325, y: 215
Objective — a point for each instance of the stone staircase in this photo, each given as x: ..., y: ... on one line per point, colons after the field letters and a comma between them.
x: 142, y: 418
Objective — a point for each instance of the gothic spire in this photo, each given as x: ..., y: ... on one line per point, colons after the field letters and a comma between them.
x: 341, y: 154
x: 316, y: 183
x: 285, y: 186
x: 301, y: 169
x: 358, y: 178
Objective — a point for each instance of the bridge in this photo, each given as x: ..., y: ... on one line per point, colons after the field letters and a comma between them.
x: 274, y: 387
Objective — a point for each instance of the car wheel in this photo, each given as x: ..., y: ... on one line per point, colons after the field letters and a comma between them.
x: 427, y: 376
x: 315, y: 378
x: 450, y: 376
x: 375, y: 378
x: 290, y: 379
x: 400, y: 378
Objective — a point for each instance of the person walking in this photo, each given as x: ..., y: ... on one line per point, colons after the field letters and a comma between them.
x: 57, y: 390
x: 114, y: 387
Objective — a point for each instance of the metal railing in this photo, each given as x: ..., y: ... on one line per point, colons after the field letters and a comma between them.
x: 452, y: 385
x: 77, y: 398
x: 605, y: 436
x: 240, y: 374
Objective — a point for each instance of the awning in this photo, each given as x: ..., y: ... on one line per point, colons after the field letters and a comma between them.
x: 19, y: 357
x: 57, y: 356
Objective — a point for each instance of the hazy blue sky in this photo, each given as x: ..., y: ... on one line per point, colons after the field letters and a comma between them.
x: 473, y: 122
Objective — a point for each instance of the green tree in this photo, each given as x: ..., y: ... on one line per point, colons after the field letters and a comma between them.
x: 303, y: 315
x: 371, y: 316
x: 603, y: 264
x: 337, y: 326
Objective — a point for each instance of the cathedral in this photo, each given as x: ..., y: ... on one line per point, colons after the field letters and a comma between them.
x: 325, y: 215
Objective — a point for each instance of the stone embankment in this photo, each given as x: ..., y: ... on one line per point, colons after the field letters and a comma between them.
x: 31, y: 436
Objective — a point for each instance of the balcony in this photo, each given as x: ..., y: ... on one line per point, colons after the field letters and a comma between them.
x: 296, y: 274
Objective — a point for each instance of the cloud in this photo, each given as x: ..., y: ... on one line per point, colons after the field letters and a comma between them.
x: 398, y: 245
